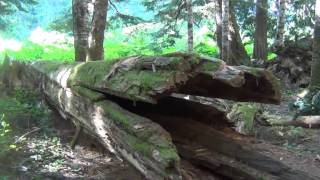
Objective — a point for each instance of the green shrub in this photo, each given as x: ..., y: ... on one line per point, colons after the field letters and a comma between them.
x: 206, y: 49
x: 32, y: 51
x: 250, y: 47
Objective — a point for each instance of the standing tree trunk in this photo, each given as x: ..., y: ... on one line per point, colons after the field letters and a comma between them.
x: 237, y: 53
x: 81, y: 28
x: 218, y: 19
x: 279, y: 42
x: 260, y: 51
x: 315, y: 69
x: 89, y: 23
x: 225, y: 43
x: 190, y: 25
x: 98, y: 27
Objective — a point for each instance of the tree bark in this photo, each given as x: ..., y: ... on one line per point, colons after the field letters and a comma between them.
x: 281, y: 4
x: 315, y: 69
x: 260, y: 51
x: 190, y: 25
x: 89, y: 23
x: 238, y: 54
x: 302, y: 121
x: 81, y: 28
x: 138, y: 140
x: 139, y: 131
x: 225, y: 44
x: 98, y: 26
x: 218, y: 19
x: 148, y: 79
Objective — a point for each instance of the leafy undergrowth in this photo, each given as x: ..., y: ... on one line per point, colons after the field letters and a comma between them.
x: 249, y: 48
x: 113, y: 50
x: 34, y: 144
x: 116, y: 45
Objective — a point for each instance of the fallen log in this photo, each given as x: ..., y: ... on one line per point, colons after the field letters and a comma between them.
x: 216, y: 162
x: 98, y: 96
x: 138, y: 140
x: 148, y: 79
x: 302, y: 121
x: 206, y: 129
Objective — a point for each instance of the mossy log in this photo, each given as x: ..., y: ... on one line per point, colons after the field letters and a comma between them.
x: 138, y: 140
x: 123, y: 103
x: 203, y: 137
x: 243, y: 115
x: 148, y: 79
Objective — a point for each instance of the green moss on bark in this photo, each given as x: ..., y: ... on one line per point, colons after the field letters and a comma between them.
x: 142, y: 141
x: 211, y: 66
x: 116, y: 115
x: 244, y: 114
x: 91, y: 95
x: 90, y: 73
x: 49, y: 67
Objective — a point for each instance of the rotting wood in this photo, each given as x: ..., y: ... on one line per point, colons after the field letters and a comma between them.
x: 207, y: 128
x: 303, y: 121
x: 138, y: 140
x: 99, y: 96
x: 190, y: 131
x: 148, y: 79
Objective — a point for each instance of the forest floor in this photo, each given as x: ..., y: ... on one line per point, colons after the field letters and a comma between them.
x: 36, y: 145
x: 297, y: 147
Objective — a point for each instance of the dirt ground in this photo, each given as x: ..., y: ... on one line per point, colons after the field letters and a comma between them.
x: 296, y: 147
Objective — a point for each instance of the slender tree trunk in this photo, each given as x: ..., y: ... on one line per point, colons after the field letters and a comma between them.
x: 81, y: 28
x: 225, y: 44
x: 190, y: 25
x: 260, y: 51
x: 315, y: 69
x: 218, y: 18
x: 98, y: 26
x: 279, y: 42
x: 237, y: 53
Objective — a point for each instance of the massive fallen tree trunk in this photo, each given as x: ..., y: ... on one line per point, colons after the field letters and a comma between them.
x: 148, y: 79
x: 143, y: 143
x: 123, y: 103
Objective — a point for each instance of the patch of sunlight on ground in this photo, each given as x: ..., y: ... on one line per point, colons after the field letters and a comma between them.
x: 41, y: 37
x: 10, y: 44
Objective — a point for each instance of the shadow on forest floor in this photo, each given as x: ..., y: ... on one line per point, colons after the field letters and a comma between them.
x: 35, y: 145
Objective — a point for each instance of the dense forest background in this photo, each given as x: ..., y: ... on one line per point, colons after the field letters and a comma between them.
x: 43, y: 29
